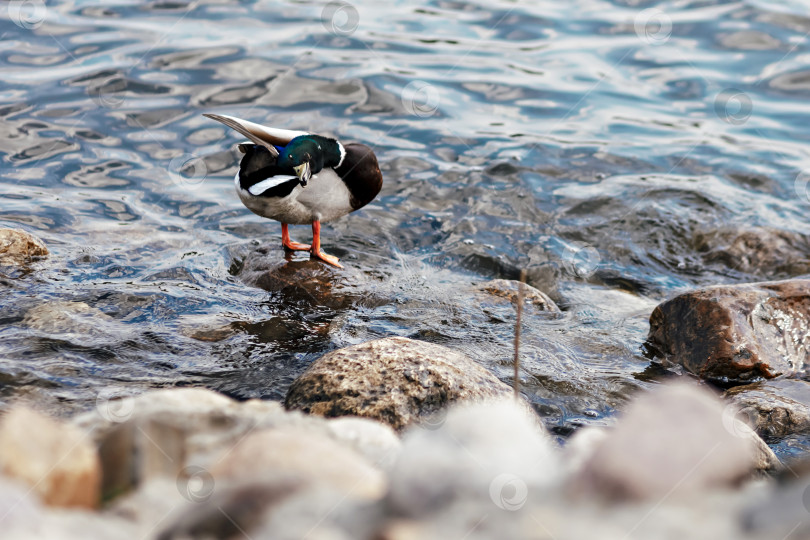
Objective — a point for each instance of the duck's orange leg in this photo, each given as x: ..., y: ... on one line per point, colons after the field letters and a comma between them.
x: 316, y: 247
x: 289, y: 244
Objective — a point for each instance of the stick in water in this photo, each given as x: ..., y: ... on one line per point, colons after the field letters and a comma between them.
x: 520, y: 294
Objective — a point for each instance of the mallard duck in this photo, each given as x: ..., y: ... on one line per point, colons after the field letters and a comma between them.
x: 301, y: 178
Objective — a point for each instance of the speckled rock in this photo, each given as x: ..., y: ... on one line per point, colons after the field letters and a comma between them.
x: 736, y: 333
x: 507, y: 289
x: 395, y: 380
x: 67, y: 318
x: 775, y: 408
x: 19, y: 247
x: 673, y: 442
x: 57, y: 461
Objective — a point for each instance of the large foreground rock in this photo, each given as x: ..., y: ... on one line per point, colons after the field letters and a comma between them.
x: 395, y: 380
x: 57, y: 461
x: 736, y: 333
x: 775, y: 408
x: 18, y: 247
x: 674, y: 442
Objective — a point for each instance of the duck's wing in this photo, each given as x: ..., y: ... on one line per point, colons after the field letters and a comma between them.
x: 261, y: 135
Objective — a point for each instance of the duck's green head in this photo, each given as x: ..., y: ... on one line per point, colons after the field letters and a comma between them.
x: 308, y: 155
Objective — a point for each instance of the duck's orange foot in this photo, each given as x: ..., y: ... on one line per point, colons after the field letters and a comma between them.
x: 296, y: 246
x: 328, y: 259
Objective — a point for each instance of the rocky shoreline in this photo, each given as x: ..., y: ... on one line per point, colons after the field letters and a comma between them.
x: 399, y: 438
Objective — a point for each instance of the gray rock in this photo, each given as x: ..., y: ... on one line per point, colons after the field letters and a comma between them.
x: 376, y: 441
x: 673, y: 442
x: 775, y: 408
x: 394, y: 380
x: 494, y: 452
x: 67, y: 318
x: 18, y: 247
x: 312, y: 457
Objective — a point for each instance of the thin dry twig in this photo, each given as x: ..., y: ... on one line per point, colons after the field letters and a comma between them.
x: 520, y: 295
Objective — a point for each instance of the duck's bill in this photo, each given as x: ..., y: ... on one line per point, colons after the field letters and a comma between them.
x: 303, y: 173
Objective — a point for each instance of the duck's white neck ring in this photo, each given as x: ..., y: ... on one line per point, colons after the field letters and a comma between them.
x: 342, y: 155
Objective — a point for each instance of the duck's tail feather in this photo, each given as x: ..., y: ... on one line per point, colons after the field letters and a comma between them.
x: 261, y: 135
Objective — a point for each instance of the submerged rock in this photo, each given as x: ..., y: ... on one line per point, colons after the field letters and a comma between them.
x: 57, y: 461
x: 507, y: 289
x: 674, y: 442
x: 19, y: 247
x: 775, y: 408
x: 67, y: 318
x: 736, y: 333
x: 394, y: 380
x: 759, y: 251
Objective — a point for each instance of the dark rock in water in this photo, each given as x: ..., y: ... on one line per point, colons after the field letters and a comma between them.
x: 775, y: 408
x: 738, y: 333
x: 18, y: 247
x: 758, y: 251
x: 395, y: 380
x: 508, y: 289
x: 300, y: 282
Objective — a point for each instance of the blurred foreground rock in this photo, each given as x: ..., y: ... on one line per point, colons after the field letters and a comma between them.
x: 18, y: 247
x: 200, y: 465
x: 56, y: 461
x: 736, y: 334
x: 395, y: 380
x: 673, y: 442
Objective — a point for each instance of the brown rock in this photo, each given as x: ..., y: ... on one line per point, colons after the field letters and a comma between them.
x: 508, y: 289
x: 313, y: 457
x: 57, y: 461
x: 395, y: 380
x: 18, y: 247
x: 775, y: 408
x: 736, y: 333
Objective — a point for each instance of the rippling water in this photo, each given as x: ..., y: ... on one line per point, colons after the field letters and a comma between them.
x: 619, y: 151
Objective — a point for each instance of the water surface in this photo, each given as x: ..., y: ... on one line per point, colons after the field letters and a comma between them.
x: 621, y: 152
